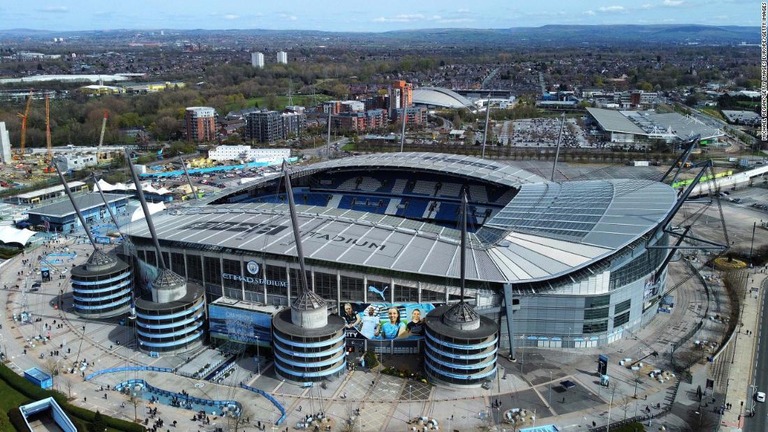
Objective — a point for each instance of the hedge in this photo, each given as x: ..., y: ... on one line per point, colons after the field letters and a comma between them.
x: 80, y: 416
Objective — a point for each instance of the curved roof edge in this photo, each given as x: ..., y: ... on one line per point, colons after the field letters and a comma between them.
x: 469, y: 166
x: 439, y: 96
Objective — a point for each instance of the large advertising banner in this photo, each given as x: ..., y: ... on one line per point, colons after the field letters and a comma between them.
x: 385, y: 321
x: 240, y: 325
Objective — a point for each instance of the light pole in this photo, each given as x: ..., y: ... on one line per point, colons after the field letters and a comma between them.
x: 610, y: 405
x: 550, y: 389
x: 752, y: 245
x: 258, y: 356
x: 409, y: 403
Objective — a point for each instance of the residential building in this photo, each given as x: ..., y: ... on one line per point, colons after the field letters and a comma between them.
x: 361, y: 120
x: 413, y: 115
x: 270, y: 126
x: 257, y: 59
x: 293, y: 123
x: 200, y: 124
x: 282, y: 57
x: 400, y: 95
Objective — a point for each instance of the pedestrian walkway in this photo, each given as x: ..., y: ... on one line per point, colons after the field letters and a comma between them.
x: 737, y: 387
x: 367, y: 400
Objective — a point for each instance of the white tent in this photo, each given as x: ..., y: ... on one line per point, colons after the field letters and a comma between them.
x: 138, y: 214
x: 145, y: 186
x: 106, y: 187
x: 9, y: 234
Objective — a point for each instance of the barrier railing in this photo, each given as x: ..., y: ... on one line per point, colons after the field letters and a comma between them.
x: 278, y: 405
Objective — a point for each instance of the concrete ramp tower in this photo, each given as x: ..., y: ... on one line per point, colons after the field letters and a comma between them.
x: 308, y: 343
x: 170, y: 319
x: 103, y: 286
x: 461, y: 345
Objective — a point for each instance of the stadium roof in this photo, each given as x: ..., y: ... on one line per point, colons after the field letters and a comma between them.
x: 441, y: 97
x: 84, y: 202
x: 546, y: 230
x: 49, y: 190
x: 652, y: 124
x: 614, y: 121
x: 467, y: 166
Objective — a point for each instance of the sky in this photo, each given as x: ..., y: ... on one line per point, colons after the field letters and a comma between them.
x: 365, y: 15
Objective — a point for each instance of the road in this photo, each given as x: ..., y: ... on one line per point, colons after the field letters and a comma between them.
x: 323, y: 152
x: 759, y: 423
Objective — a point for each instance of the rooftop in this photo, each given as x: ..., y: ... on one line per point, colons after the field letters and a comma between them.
x: 547, y: 230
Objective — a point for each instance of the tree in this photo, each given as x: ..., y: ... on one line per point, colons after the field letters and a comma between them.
x: 165, y: 127
x: 236, y: 422
x: 98, y: 424
x: 68, y: 386
x: 135, y: 400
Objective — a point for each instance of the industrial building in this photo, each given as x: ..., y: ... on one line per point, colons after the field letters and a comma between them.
x: 643, y: 128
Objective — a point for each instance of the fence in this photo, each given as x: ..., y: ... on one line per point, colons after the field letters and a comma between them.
x: 278, y: 405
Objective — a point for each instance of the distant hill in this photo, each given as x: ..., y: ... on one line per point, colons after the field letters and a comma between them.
x: 545, y: 36
x: 589, y: 34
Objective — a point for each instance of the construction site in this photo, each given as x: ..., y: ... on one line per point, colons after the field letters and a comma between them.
x: 24, y: 166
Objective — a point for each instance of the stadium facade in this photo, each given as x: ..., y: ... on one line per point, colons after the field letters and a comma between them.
x: 572, y: 264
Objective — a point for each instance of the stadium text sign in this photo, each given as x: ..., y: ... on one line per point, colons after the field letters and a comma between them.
x: 254, y: 280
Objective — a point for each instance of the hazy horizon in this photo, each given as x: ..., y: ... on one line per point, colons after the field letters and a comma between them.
x: 352, y: 16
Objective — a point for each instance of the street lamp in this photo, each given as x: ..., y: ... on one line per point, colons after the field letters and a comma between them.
x: 258, y: 356
x: 409, y: 403
x: 550, y: 389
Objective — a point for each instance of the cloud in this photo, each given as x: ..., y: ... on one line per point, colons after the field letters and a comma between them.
x: 673, y: 3
x: 402, y: 18
x: 463, y: 10
x: 287, y: 17
x: 231, y: 17
x: 407, y: 18
x: 589, y: 12
x: 455, y: 20
x: 611, y: 9
x: 54, y: 9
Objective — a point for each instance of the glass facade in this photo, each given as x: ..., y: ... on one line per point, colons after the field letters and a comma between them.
x: 352, y: 289
x: 325, y: 286
x: 594, y: 301
x: 194, y: 267
x: 406, y: 294
x: 177, y: 264
x: 212, y: 268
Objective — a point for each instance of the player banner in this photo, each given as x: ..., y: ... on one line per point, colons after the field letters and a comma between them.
x: 385, y: 321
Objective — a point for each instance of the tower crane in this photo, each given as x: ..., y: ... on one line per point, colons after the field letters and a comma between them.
x: 48, y: 168
x: 101, y: 137
x: 20, y: 154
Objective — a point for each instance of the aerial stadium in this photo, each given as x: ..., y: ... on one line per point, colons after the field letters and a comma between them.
x: 553, y: 264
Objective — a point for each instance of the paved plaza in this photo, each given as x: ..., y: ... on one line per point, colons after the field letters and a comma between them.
x: 367, y: 400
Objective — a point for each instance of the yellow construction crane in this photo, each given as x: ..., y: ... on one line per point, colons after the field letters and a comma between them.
x: 20, y: 154
x: 101, y: 138
x: 48, y: 168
